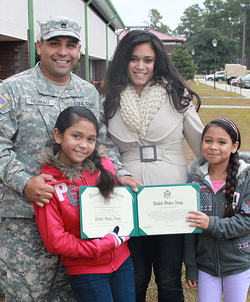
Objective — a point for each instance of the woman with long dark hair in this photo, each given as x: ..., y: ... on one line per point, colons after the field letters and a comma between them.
x: 149, y: 111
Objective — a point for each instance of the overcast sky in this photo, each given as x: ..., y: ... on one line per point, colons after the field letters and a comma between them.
x: 134, y: 12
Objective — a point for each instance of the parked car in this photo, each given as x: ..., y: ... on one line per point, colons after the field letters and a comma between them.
x: 234, y: 82
x: 234, y: 71
x: 244, y: 82
x: 219, y: 76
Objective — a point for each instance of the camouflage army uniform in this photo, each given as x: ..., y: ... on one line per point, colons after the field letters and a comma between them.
x: 26, y: 125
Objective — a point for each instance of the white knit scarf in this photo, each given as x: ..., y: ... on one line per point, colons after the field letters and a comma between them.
x: 138, y: 112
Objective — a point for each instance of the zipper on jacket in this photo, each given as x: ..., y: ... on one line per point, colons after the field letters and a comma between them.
x: 216, y: 242
x: 83, y: 179
x: 216, y: 247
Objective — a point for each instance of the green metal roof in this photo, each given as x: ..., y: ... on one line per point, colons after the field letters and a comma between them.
x: 107, y: 9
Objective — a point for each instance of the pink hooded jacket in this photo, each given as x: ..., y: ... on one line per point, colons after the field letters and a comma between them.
x: 59, y: 221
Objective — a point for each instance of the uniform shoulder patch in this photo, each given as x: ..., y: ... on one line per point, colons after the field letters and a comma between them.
x: 3, y: 101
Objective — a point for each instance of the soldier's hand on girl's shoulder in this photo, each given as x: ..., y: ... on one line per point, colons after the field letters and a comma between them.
x: 38, y: 191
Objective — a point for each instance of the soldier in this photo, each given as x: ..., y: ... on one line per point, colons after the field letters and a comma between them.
x: 29, y: 105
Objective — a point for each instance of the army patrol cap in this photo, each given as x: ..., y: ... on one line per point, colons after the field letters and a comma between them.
x: 60, y: 26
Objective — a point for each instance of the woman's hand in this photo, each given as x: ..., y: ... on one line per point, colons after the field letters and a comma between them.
x: 131, y: 182
x: 198, y: 220
x: 192, y: 283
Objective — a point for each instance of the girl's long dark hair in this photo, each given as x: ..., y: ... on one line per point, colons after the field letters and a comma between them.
x: 106, y: 180
x: 117, y: 78
x: 233, y: 165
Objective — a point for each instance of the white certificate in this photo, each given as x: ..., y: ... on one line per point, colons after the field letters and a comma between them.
x: 100, y: 216
x: 163, y: 209
x: 153, y: 210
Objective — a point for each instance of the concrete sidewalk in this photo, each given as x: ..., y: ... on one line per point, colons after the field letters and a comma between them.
x: 226, y: 87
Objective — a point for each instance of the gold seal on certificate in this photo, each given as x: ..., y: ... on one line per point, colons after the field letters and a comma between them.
x: 153, y: 210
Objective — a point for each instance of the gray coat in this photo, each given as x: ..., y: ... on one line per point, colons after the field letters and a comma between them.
x: 213, y: 251
x: 166, y: 131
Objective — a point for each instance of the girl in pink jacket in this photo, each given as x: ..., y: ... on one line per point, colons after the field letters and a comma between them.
x: 98, y: 269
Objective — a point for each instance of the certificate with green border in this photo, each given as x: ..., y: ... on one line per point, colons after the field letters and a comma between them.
x: 153, y: 210
x: 99, y: 216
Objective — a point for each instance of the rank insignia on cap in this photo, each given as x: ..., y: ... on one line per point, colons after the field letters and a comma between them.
x: 3, y: 101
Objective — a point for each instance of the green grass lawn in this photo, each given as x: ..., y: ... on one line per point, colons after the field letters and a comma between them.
x: 241, y: 117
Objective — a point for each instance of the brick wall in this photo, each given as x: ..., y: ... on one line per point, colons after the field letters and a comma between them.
x: 100, y: 69
x: 170, y: 48
x: 14, y: 57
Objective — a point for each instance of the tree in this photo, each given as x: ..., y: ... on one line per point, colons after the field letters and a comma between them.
x: 77, y: 67
x: 232, y: 16
x: 213, y: 14
x: 246, y: 12
x: 183, y: 62
x: 225, y: 16
x: 229, y: 18
x: 155, y: 22
x: 155, y: 18
x: 164, y: 29
x: 191, y: 21
x: 204, y: 50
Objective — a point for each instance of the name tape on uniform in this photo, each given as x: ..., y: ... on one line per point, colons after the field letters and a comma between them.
x: 41, y: 102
